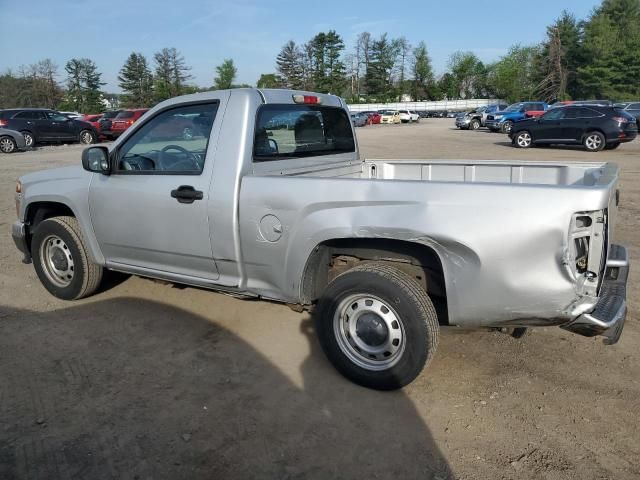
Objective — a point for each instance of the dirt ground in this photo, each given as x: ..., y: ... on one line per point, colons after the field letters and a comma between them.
x: 147, y: 381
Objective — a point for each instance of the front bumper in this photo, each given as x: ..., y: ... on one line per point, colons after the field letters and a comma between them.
x: 19, y: 235
x: 492, y: 124
x: 607, y: 318
x: 462, y: 122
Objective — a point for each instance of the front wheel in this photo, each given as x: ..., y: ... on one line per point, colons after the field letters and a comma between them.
x: 475, y: 124
x: 87, y: 137
x: 61, y: 260
x: 594, y: 141
x: 522, y: 139
x: 507, y: 126
x: 377, y: 326
x: 8, y: 145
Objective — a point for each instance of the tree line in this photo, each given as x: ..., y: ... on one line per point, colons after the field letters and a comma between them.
x: 579, y: 59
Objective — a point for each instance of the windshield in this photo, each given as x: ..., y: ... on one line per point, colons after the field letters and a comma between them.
x: 514, y: 108
x: 388, y: 112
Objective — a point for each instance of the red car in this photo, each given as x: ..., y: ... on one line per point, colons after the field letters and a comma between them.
x: 374, y: 118
x: 93, y: 119
x: 125, y: 119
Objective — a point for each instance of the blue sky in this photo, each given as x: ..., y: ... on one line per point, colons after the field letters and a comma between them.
x: 252, y: 32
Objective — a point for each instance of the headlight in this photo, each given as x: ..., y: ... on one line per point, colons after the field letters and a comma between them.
x: 497, y: 117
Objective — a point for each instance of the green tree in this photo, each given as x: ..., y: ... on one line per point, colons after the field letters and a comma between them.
x: 227, y: 72
x: 269, y: 80
x: 83, y: 86
x: 136, y: 81
x: 171, y: 74
x: 513, y: 77
x: 379, y: 77
x: 610, y: 47
x: 289, y: 66
x: 422, y: 71
x: 327, y: 68
x: 403, y: 49
x: 469, y: 75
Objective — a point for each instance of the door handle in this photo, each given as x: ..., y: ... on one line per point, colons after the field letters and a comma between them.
x: 186, y: 194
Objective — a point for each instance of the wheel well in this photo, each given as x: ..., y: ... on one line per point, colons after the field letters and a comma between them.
x: 333, y: 257
x: 40, y: 211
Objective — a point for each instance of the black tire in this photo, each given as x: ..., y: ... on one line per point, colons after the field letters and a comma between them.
x: 507, y: 126
x: 8, y: 144
x: 475, y: 124
x: 87, y: 137
x: 594, y: 141
x: 612, y: 146
x: 29, y: 139
x: 522, y: 139
x: 417, y: 324
x: 85, y: 276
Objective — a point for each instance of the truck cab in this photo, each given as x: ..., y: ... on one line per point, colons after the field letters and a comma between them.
x: 504, y: 120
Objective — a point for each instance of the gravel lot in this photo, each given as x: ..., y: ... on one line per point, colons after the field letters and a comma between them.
x: 146, y: 380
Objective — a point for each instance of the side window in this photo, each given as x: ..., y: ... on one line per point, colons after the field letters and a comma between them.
x: 24, y: 115
x: 634, y: 106
x: 173, y: 142
x: 555, y: 114
x: 56, y: 117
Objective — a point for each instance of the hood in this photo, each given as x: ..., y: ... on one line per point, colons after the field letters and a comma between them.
x: 74, y: 172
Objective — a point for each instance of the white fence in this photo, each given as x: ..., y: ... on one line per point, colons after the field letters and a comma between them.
x: 441, y: 105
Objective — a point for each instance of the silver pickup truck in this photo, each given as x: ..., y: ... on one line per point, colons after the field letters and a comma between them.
x: 267, y: 197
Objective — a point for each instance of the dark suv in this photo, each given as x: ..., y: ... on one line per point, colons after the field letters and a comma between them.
x: 594, y: 126
x: 39, y: 125
x: 106, y: 122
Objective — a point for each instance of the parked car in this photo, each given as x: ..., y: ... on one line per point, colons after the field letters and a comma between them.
x: 296, y: 216
x: 124, y: 120
x: 423, y: 114
x: 389, y: 116
x: 11, y: 141
x: 593, y: 126
x: 106, y: 121
x: 564, y: 103
x: 374, y: 117
x: 359, y: 119
x: 632, y: 108
x: 407, y: 116
x: 453, y: 114
x: 504, y: 120
x: 39, y: 125
x: 492, y: 109
x: 470, y: 120
x: 93, y: 119
x: 73, y: 115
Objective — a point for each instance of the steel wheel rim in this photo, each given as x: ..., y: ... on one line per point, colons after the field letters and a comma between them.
x: 507, y: 127
x: 524, y: 140
x: 6, y: 145
x: 57, y: 261
x: 28, y: 139
x: 369, y: 332
x: 593, y: 142
x: 475, y: 125
x: 86, y: 137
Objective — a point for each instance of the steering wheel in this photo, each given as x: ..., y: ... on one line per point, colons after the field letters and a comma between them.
x: 191, y: 161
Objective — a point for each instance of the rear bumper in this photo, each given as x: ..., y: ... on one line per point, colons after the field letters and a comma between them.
x: 607, y: 318
x: 19, y: 235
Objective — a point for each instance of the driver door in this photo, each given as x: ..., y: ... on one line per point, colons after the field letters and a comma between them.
x: 152, y: 212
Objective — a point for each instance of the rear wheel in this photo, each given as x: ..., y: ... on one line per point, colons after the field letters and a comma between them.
x: 522, y: 139
x: 61, y: 260
x: 7, y: 145
x: 87, y: 137
x: 594, y: 141
x: 377, y: 326
x: 29, y: 139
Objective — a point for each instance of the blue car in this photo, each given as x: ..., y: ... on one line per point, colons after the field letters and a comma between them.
x: 503, y: 121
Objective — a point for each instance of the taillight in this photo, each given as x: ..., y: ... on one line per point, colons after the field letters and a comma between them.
x: 4, y: 123
x: 620, y: 119
x: 130, y: 122
x: 310, y: 99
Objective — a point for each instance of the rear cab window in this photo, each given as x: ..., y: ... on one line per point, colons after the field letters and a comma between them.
x: 298, y: 131
x: 127, y: 114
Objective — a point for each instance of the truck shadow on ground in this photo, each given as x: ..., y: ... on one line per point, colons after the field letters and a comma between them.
x: 131, y: 388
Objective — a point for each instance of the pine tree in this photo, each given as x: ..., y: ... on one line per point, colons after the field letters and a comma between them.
x: 83, y: 86
x: 136, y: 82
x: 289, y: 64
x: 423, y: 80
x: 171, y: 74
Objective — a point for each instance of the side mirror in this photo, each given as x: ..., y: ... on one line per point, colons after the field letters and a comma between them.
x: 96, y: 160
